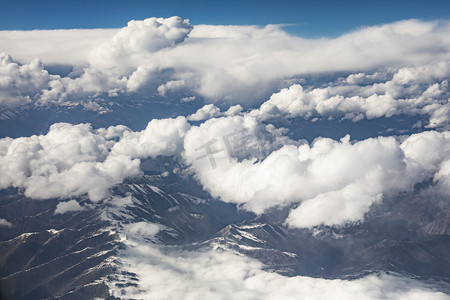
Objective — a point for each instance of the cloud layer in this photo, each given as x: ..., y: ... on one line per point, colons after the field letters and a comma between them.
x: 236, y: 155
x: 69, y: 206
x: 224, y: 275
x: 239, y: 156
x: 227, y: 63
x: 69, y: 160
x: 237, y: 159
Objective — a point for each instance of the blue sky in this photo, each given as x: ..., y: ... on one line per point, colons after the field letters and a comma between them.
x: 308, y: 18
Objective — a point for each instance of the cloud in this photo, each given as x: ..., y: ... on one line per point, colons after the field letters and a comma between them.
x: 5, y: 223
x: 413, y: 91
x: 434, y: 164
x: 209, y: 111
x: 442, y: 178
x: 172, y: 85
x: 68, y: 206
x: 187, y: 99
x: 234, y: 110
x: 142, y: 229
x: 206, y: 112
x: 211, y: 274
x: 160, y: 137
x: 69, y: 160
x: 232, y: 63
x: 223, y: 141
x: 117, y: 65
x: 293, y: 174
x: 119, y: 201
x: 237, y: 160
x: 30, y: 84
x: 23, y: 84
x: 243, y: 63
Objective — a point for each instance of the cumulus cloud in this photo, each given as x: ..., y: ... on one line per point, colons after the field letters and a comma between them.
x: 172, y: 85
x: 118, y: 65
x: 435, y: 164
x: 68, y: 206
x: 142, y: 229
x: 187, y: 99
x: 219, y: 62
x: 23, y: 84
x: 72, y: 160
x: 238, y: 63
x: 69, y: 160
x: 234, y: 110
x: 211, y: 111
x: 413, y: 91
x: 206, y: 112
x: 119, y: 201
x: 133, y: 44
x: 222, y: 141
x: 232, y: 159
x: 236, y: 159
x: 292, y: 174
x: 160, y: 137
x: 442, y: 178
x: 31, y: 84
x: 5, y: 223
x: 224, y: 275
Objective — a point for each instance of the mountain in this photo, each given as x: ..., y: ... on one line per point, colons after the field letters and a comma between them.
x: 78, y: 254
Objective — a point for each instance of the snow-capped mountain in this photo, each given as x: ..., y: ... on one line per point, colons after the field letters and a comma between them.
x: 83, y: 253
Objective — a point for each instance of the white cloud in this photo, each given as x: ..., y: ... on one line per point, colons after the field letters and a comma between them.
x: 292, y: 174
x: 106, y: 67
x: 223, y: 140
x: 234, y: 110
x: 60, y: 47
x: 336, y: 207
x: 417, y: 149
x: 135, y: 43
x: 243, y: 62
x: 237, y: 159
x: 233, y: 63
x: 229, y: 158
x: 5, y: 223
x: 172, y: 85
x: 69, y: 160
x: 23, y: 84
x: 160, y: 137
x: 72, y: 160
x: 442, y: 178
x: 68, y: 206
x: 209, y: 111
x: 204, y: 113
x: 210, y: 274
x: 120, y: 201
x: 435, y: 163
x: 413, y: 91
x: 422, y: 74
